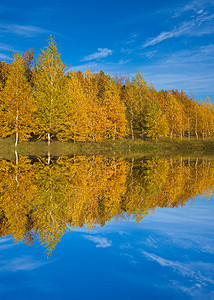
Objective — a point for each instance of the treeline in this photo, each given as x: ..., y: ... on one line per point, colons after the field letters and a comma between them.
x: 45, y: 100
x: 45, y: 197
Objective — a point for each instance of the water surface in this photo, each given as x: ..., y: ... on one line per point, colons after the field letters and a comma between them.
x: 99, y: 228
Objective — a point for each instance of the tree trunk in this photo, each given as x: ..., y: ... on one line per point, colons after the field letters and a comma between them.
x: 132, y: 130
x: 196, y: 126
x: 49, y: 138
x: 17, y: 130
x: 188, y: 127
x: 131, y: 123
x: 51, y: 112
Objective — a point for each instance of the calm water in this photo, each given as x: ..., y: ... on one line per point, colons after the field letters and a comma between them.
x: 99, y: 228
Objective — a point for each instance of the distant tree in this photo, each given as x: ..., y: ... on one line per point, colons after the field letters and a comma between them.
x: 115, y: 111
x: 4, y: 72
x: 174, y: 113
x: 98, y: 122
x: 128, y: 96
x: 156, y: 125
x: 76, y: 119
x: 28, y: 64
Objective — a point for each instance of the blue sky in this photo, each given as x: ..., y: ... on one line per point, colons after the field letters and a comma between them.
x: 170, y: 42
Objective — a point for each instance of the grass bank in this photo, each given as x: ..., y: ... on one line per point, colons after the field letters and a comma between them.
x: 120, y: 148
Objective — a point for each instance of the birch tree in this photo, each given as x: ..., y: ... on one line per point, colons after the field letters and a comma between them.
x: 49, y: 92
x: 16, y: 103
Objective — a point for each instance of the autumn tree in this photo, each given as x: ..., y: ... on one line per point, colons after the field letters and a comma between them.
x: 173, y: 111
x: 156, y: 123
x: 16, y: 103
x: 76, y: 119
x: 128, y: 96
x: 115, y: 111
x: 98, y: 122
x: 142, y: 97
x: 49, y: 92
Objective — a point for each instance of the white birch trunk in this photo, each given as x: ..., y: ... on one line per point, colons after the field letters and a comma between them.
x: 17, y: 133
x: 49, y: 138
x: 196, y: 125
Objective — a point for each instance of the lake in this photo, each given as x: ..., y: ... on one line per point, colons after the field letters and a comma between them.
x: 93, y: 227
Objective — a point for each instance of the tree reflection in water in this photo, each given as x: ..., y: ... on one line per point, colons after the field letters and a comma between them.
x: 44, y: 197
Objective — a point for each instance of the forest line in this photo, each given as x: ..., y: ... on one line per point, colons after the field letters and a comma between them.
x: 45, y: 100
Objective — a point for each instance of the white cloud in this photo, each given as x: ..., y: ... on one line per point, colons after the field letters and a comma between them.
x: 150, y: 54
x: 185, y: 269
x: 126, y: 51
x: 101, y: 242
x: 6, y: 243
x: 191, y: 28
x: 176, y: 32
x: 204, y: 53
x: 131, y: 39
x: 101, y: 53
x: 6, y: 47
x: 25, y: 263
x: 27, y: 31
x: 5, y: 240
x: 122, y: 61
x: 196, y: 6
x: 4, y: 56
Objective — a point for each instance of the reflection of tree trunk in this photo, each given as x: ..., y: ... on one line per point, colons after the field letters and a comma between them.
x: 181, y: 163
x: 131, y: 173
x: 49, y: 157
x: 132, y: 166
x: 50, y: 187
x: 17, y: 157
x: 188, y: 173
x: 171, y: 163
x: 17, y: 162
x: 196, y: 169
x: 115, y: 129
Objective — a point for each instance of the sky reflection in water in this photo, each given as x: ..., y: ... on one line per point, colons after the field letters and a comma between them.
x: 167, y: 255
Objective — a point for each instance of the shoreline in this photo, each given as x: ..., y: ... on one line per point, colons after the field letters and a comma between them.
x: 119, y: 148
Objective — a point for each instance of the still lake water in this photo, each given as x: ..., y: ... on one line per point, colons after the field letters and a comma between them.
x: 99, y: 228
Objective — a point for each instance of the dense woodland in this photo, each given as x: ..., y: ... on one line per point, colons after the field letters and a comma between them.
x: 44, y: 198
x: 44, y: 99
